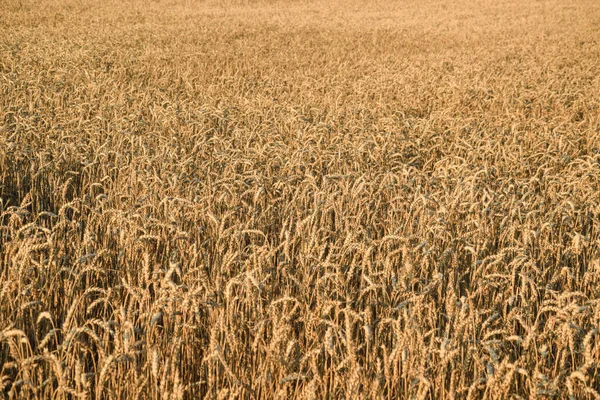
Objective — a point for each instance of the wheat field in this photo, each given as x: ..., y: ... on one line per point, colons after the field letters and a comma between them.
x: 299, y: 199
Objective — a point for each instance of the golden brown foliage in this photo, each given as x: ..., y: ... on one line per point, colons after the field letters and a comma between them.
x: 239, y: 199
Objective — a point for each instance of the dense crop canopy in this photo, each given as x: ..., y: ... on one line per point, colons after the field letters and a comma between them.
x: 291, y: 199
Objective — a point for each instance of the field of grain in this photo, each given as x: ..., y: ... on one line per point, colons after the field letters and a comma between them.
x: 299, y: 199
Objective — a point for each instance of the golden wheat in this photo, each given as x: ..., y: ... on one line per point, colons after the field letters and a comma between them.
x: 279, y: 199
